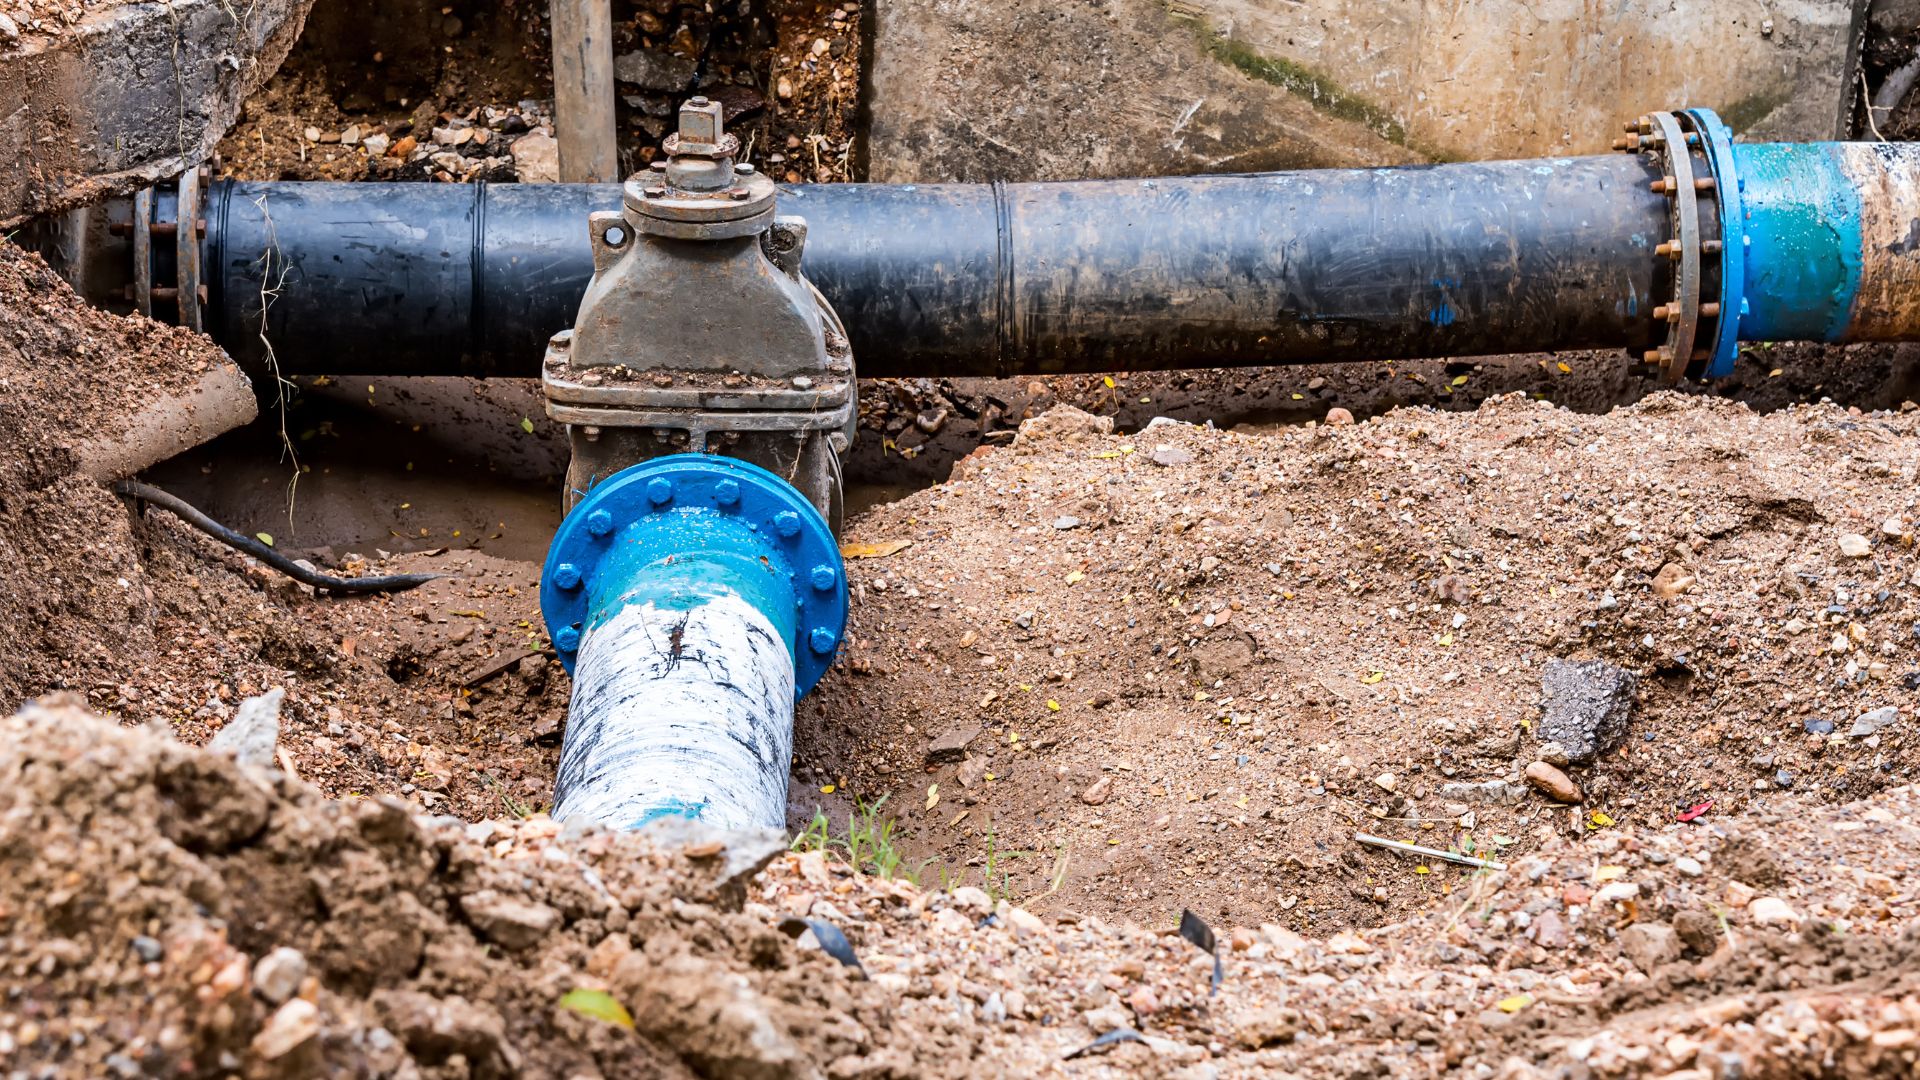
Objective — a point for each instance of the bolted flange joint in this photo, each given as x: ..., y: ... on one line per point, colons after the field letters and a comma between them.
x: 1703, y: 259
x: 666, y: 531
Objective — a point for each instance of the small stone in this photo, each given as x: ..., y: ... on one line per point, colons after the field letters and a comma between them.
x: 350, y: 136
x: 1855, y: 546
x: 1874, y: 722
x: 1024, y: 620
x: 277, y: 976
x: 1385, y: 781
x: 1024, y: 922
x: 148, y: 949
x: 1649, y: 945
x: 1817, y: 725
x: 1098, y: 792
x: 1608, y: 601
x: 1894, y: 529
x: 1739, y: 894
x: 1065, y: 522
x: 1586, y: 708
x: 655, y: 69
x: 291, y: 1026
x: 376, y: 145
x: 536, y: 158
x: 1168, y: 456
x: 1672, y: 580
x: 993, y: 1010
x: 9, y: 30
x: 953, y: 745
x: 254, y: 733
x: 1554, y: 754
x: 1552, y: 782
x: 1772, y: 911
x: 972, y: 899
x: 1268, y: 1025
x: 402, y: 146
x: 784, y: 88
x: 507, y: 920
x: 312, y: 134
x: 1549, y: 931
x: 1688, y: 866
x: 1339, y: 417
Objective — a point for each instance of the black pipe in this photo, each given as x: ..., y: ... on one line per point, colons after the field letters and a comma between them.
x: 950, y: 280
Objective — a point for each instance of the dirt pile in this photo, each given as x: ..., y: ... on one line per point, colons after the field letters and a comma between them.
x: 167, y: 912
x: 1187, y: 665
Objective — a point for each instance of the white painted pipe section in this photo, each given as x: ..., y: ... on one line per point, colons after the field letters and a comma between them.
x: 679, y: 711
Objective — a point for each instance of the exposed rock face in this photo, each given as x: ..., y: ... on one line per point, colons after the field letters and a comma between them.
x: 129, y: 95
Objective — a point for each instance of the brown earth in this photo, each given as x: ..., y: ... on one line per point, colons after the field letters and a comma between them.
x: 1251, y: 645
x: 167, y: 912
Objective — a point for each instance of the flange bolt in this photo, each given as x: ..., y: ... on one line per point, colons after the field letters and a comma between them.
x: 822, y: 640
x: 659, y: 491
x: 727, y: 493
x: 566, y: 639
x: 824, y: 578
x: 600, y: 523
x: 566, y: 576
x: 787, y: 524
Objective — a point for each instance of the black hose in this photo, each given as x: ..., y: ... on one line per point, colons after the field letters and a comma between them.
x: 192, y: 516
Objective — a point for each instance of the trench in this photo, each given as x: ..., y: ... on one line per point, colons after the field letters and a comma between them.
x: 435, y: 468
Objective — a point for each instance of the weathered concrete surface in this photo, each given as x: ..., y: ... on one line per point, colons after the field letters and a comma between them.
x: 129, y: 94
x: 1033, y: 89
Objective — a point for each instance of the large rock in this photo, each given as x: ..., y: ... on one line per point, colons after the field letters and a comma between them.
x: 1585, y: 707
x: 984, y: 89
x: 128, y: 95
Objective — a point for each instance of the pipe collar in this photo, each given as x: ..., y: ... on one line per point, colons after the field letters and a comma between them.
x: 713, y: 515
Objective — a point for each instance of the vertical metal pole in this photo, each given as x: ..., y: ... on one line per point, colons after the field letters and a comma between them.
x: 583, y: 91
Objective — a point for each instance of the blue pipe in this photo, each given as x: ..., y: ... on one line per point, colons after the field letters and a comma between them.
x: 694, y: 598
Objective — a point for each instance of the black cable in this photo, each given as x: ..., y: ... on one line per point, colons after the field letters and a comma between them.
x: 187, y: 513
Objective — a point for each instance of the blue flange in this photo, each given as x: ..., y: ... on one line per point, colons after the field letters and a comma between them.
x: 1716, y: 140
x: 685, y: 517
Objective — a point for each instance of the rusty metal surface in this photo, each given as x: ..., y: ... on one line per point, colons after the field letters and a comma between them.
x: 1886, y: 306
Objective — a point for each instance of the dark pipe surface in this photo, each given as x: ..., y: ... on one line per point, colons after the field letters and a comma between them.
x: 960, y: 279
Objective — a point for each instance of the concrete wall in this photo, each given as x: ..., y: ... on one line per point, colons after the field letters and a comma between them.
x: 1038, y: 89
x: 129, y: 94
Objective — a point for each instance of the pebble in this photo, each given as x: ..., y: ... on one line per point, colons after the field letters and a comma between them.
x: 1855, y: 546
x: 148, y: 949
x: 1688, y: 866
x: 1650, y: 945
x: 1672, y: 580
x: 1772, y: 911
x: 1066, y: 522
x: 1818, y: 726
x: 1553, y: 783
x: 278, y: 974
x: 292, y: 1026
x: 9, y: 30
x: 508, y: 920
x: 1098, y: 793
x: 255, y: 731
x: 1874, y: 722
x: 1338, y: 417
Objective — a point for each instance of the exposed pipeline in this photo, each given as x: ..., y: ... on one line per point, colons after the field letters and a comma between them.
x: 1812, y: 242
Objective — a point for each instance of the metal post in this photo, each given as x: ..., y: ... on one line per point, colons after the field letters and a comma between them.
x: 583, y: 91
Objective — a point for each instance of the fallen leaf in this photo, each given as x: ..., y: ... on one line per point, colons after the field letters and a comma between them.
x: 1694, y: 812
x: 874, y: 551
x: 1514, y: 1004
x: 526, y: 425
x: 1599, y: 819
x: 1052, y: 705
x: 1373, y: 677
x: 933, y: 795
x: 597, y: 1004
x: 265, y: 538
x: 1108, y: 379
x: 1075, y: 576
x: 826, y: 789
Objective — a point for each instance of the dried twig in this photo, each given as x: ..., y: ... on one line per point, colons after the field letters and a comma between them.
x: 1432, y: 853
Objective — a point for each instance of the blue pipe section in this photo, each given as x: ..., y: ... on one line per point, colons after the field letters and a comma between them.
x: 678, y: 531
x: 1800, y: 221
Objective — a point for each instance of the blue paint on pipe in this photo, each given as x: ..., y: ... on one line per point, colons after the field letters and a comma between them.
x: 1802, y: 230
x: 678, y: 531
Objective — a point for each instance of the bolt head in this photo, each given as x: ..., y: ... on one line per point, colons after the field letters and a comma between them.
x: 744, y: 168
x: 659, y: 491
x: 566, y: 576
x: 566, y: 639
x: 787, y: 524
x: 656, y: 192
x: 823, y: 577
x: 600, y: 523
x: 822, y: 640
x: 727, y: 493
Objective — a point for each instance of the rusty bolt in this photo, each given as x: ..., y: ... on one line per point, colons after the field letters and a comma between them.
x: 1660, y: 313
x: 658, y: 166
x: 738, y: 194
x: 1709, y: 310
x: 656, y: 192
x: 1703, y: 183
x: 1653, y: 356
x: 1664, y: 185
x: 745, y: 168
x: 1711, y: 247
x: 1667, y: 248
